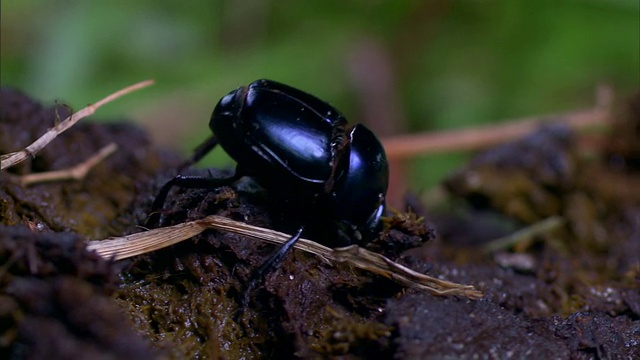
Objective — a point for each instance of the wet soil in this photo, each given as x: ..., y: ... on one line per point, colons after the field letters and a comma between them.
x: 572, y: 291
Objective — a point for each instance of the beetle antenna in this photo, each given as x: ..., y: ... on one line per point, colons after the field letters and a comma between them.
x: 199, y: 152
x: 189, y: 182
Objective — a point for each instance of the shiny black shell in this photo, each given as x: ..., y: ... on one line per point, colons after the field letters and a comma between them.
x: 302, y: 151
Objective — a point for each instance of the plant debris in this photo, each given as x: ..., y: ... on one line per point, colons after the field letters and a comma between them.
x: 77, y: 172
x: 142, y: 243
x: 13, y: 158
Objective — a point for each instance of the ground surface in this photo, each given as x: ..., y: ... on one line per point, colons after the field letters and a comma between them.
x: 570, y: 290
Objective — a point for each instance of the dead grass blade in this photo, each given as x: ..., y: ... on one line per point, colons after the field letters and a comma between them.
x: 77, y: 172
x: 147, y: 241
x: 474, y: 138
x: 11, y: 159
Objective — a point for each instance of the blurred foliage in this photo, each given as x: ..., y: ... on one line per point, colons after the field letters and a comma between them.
x: 454, y: 63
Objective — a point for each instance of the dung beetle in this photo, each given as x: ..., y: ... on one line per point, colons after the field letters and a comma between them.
x: 326, y: 176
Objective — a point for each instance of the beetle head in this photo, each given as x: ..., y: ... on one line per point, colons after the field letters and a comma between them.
x: 230, y: 106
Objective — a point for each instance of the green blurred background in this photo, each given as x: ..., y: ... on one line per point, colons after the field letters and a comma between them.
x: 399, y: 66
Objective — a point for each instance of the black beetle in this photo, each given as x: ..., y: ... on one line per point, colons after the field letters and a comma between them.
x: 328, y: 177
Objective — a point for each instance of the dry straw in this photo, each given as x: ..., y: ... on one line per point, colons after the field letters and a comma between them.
x: 151, y: 240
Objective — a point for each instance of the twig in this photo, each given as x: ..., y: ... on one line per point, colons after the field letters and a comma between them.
x: 522, y: 235
x: 144, y: 242
x: 77, y: 172
x: 11, y: 159
x: 403, y: 146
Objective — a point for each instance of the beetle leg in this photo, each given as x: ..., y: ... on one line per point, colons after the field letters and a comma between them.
x: 190, y: 182
x: 269, y: 265
x: 200, y: 152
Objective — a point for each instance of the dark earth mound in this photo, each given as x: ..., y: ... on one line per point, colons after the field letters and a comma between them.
x: 570, y: 292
